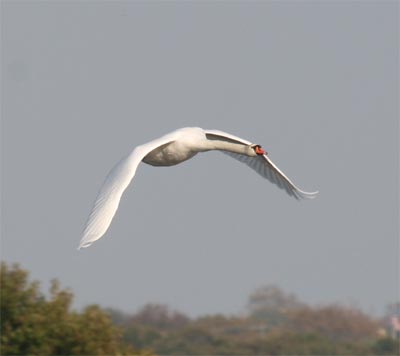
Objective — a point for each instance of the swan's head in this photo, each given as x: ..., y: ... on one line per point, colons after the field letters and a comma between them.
x: 258, y: 150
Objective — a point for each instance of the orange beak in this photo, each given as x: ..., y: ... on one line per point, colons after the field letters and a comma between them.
x: 260, y: 151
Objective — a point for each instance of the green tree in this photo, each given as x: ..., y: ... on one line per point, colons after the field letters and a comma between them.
x: 279, y: 324
x: 386, y: 346
x: 336, y: 322
x: 160, y: 316
x: 31, y: 324
x: 271, y: 305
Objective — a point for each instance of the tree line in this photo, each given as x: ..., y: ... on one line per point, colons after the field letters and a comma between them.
x: 276, y: 323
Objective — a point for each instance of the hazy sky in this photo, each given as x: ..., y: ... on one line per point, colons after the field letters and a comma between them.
x: 315, y: 83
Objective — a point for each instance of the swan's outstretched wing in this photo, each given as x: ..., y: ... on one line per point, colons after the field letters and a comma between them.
x: 110, y: 193
x: 262, y: 165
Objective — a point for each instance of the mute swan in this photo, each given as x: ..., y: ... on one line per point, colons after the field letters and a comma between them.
x: 171, y: 149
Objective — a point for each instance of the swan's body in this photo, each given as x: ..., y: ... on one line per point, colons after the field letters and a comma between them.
x: 171, y: 149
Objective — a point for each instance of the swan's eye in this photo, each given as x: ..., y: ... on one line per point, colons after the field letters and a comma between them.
x: 259, y: 150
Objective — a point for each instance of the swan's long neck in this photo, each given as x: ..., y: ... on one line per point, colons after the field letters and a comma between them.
x: 229, y: 146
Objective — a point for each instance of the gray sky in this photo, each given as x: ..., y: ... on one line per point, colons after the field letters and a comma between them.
x: 315, y: 83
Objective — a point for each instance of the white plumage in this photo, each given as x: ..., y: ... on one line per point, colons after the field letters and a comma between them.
x: 171, y: 149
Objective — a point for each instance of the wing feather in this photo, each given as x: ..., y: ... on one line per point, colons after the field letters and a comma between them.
x: 262, y: 165
x: 109, y: 196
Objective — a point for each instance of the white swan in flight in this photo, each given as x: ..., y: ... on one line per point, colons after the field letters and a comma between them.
x: 171, y: 149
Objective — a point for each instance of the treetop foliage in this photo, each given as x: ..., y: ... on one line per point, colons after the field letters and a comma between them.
x: 277, y: 323
x: 33, y: 325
